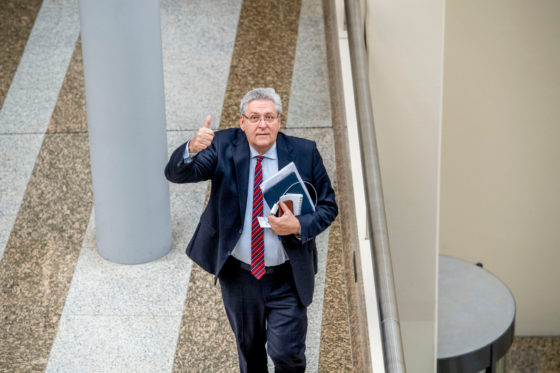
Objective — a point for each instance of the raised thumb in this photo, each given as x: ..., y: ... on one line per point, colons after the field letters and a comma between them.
x: 208, y: 121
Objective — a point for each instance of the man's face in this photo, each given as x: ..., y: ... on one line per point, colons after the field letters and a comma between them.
x: 261, y: 134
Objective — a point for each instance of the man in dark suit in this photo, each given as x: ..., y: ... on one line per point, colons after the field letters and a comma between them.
x: 266, y: 274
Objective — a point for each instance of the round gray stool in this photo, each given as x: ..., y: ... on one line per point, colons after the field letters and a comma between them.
x: 476, y: 318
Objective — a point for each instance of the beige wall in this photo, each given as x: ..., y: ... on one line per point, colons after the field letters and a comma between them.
x: 405, y: 49
x: 500, y: 186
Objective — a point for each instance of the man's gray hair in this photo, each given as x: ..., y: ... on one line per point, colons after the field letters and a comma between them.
x: 261, y: 94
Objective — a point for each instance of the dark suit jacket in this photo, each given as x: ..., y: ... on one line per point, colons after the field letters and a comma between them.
x: 226, y: 163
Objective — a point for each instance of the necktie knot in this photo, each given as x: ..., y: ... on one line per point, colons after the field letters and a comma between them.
x: 259, y: 158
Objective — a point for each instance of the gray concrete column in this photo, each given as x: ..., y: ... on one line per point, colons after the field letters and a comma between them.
x: 121, y: 46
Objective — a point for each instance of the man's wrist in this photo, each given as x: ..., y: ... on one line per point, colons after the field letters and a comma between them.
x: 187, y: 155
x: 298, y: 233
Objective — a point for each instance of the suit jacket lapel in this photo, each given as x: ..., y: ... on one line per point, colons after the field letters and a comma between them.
x: 241, y: 160
x: 284, y: 151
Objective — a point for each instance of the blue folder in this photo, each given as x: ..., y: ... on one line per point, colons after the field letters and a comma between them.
x: 287, y: 180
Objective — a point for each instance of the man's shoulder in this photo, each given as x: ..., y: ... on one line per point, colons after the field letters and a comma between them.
x: 226, y: 138
x: 297, y: 141
x: 229, y: 133
x: 299, y: 144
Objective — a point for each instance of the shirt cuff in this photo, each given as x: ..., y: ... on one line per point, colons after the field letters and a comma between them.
x: 187, y: 156
x: 298, y: 234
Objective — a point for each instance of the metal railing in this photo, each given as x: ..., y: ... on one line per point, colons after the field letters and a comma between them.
x: 377, y: 225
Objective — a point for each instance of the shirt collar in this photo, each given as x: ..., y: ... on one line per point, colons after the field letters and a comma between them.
x: 270, y: 154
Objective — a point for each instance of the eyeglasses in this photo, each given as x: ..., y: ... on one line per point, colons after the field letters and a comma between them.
x: 254, y: 119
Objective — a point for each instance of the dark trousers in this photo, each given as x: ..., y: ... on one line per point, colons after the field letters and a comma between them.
x: 266, y: 311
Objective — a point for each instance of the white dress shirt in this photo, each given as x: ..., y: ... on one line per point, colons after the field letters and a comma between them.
x: 274, y: 253
x: 273, y: 250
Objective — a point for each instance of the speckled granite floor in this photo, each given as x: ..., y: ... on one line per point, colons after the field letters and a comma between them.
x: 64, y: 308
x: 17, y: 20
x: 534, y: 354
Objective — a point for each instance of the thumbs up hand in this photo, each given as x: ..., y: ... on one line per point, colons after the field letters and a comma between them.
x: 203, y: 137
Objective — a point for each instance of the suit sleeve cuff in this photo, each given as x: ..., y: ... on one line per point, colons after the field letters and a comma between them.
x: 300, y: 235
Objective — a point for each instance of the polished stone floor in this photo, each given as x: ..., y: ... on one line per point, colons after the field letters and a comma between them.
x: 63, y: 307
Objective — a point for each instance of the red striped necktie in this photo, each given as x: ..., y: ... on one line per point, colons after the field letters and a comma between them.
x: 257, y: 233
